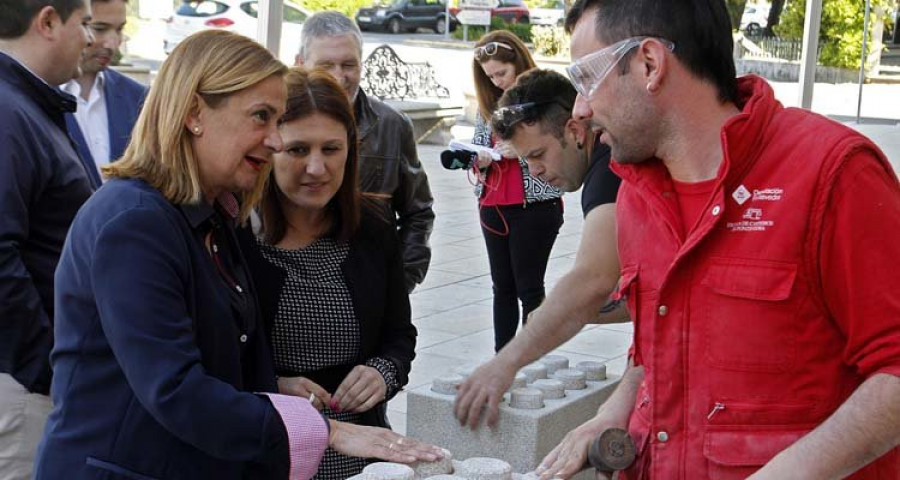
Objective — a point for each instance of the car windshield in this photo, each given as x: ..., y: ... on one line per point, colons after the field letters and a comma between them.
x: 385, y: 3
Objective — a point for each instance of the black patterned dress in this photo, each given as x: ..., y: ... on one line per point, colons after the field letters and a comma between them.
x: 316, y: 328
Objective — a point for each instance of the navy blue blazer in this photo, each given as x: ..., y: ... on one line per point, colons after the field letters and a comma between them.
x: 124, y: 98
x: 153, y: 373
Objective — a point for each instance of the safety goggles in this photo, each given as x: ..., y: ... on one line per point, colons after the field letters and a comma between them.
x: 588, y: 72
x: 489, y: 50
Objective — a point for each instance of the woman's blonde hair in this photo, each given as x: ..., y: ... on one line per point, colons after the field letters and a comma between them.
x: 212, y: 64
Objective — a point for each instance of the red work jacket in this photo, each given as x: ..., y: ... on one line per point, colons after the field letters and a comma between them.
x: 741, y: 354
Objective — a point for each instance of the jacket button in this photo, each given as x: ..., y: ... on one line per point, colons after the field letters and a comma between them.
x: 663, y: 310
x: 244, y: 338
x: 716, y: 210
x: 663, y: 437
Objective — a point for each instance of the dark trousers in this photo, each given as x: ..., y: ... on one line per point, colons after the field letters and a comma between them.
x: 518, y: 259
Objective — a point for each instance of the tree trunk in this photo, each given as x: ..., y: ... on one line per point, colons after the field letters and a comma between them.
x: 774, y: 17
x: 736, y: 11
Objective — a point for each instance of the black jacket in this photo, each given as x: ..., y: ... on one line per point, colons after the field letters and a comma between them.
x: 42, y: 185
x: 374, y: 275
x: 389, y: 165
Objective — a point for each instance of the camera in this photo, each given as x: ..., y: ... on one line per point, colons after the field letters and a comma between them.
x: 458, y: 159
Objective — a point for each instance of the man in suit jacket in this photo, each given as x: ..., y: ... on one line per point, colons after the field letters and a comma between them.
x: 108, y: 102
x: 42, y: 185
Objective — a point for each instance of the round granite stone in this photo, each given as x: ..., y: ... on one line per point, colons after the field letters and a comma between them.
x: 572, y: 379
x: 551, y: 388
x: 439, y: 467
x: 535, y: 371
x: 593, y: 371
x: 554, y: 363
x: 519, y: 381
x: 390, y: 471
x: 483, y: 468
x: 526, y: 399
x: 447, y: 384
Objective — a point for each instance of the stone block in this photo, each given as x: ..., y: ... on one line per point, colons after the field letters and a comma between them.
x: 523, y: 436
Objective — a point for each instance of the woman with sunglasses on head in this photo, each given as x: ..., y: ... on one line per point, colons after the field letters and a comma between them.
x: 520, y: 214
x: 329, y: 270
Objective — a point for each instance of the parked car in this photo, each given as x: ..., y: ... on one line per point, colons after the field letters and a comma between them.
x: 551, y: 15
x: 238, y: 16
x: 511, y: 11
x: 755, y: 19
x: 397, y: 16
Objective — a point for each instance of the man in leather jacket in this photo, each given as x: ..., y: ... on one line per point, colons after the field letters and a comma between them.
x: 389, y: 166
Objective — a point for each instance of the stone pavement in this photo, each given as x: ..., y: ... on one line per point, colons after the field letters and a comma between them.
x: 452, y: 308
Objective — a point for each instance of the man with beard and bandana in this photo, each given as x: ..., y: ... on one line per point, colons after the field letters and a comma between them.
x: 108, y: 102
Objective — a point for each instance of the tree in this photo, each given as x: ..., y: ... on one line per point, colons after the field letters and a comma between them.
x: 842, y: 28
x: 774, y: 17
x: 736, y: 11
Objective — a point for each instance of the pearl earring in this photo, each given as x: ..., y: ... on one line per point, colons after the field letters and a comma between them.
x: 197, y: 130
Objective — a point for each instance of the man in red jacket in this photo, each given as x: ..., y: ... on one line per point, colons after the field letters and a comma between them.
x: 759, y: 253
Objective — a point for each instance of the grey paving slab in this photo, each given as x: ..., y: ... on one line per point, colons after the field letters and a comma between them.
x: 447, y: 297
x: 437, y: 278
x: 428, y: 337
x: 455, y: 252
x: 474, y: 266
x: 600, y: 342
x: 426, y: 366
x: 398, y: 403
x: 460, y: 321
x: 477, y: 347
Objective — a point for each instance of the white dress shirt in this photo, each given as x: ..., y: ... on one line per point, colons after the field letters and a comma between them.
x: 92, y: 119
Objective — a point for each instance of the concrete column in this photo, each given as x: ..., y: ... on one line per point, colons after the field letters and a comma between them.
x: 268, y: 25
x: 811, y: 28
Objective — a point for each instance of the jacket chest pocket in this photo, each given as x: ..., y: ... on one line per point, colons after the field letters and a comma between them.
x: 378, y: 174
x: 748, y: 315
x: 737, y: 454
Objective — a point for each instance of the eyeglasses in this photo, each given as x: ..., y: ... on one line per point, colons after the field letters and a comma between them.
x: 588, y: 72
x: 489, y: 50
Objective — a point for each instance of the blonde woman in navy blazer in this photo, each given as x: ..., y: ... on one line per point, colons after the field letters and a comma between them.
x: 161, y: 364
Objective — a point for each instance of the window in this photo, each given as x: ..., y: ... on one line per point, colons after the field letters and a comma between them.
x: 201, y: 8
x: 293, y: 15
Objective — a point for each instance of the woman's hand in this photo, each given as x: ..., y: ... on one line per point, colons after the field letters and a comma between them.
x: 304, y: 388
x: 506, y: 150
x: 375, y: 442
x: 484, y: 159
x: 361, y: 390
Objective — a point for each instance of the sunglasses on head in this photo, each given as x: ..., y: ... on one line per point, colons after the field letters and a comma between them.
x: 505, y: 118
x: 490, y: 49
x: 588, y: 72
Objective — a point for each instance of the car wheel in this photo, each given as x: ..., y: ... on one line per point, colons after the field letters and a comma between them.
x: 440, y: 26
x: 753, y: 30
x: 393, y: 26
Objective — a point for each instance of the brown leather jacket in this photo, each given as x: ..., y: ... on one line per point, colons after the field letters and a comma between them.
x: 390, y: 166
